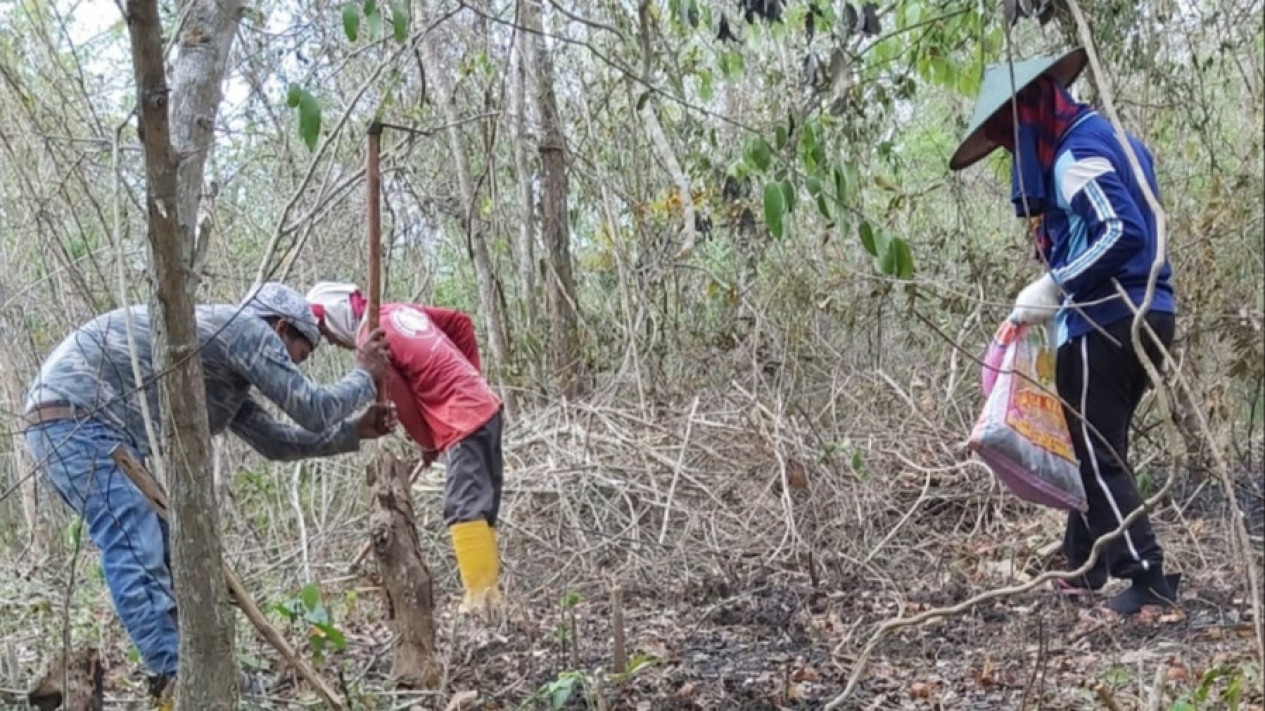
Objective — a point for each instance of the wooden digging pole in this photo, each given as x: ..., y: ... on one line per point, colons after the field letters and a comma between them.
x: 373, y: 178
x: 406, y: 581
x: 158, y: 499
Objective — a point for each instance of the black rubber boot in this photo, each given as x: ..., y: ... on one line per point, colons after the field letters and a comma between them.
x: 250, y: 684
x: 1154, y: 589
x: 158, y: 684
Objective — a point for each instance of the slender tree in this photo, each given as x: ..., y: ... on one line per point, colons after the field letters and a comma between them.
x: 175, y: 126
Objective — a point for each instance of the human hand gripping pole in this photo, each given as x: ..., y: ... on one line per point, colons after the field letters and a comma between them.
x: 378, y: 420
x: 373, y: 356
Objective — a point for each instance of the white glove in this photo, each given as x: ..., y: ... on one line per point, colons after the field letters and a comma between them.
x: 1038, y: 302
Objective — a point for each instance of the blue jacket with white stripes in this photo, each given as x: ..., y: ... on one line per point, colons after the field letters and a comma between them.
x: 1101, y: 231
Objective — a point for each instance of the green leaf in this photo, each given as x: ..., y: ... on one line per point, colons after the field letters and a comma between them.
x: 319, y: 615
x: 309, y: 119
x: 774, y: 207
x: 896, y: 260
x: 641, y: 660
x: 73, y: 532
x: 311, y: 596
x: 293, y: 94
x: 399, y: 20
x: 913, y: 14
x: 813, y: 154
x: 818, y: 155
x: 779, y: 137
x: 808, y: 137
x: 374, y: 15
x: 788, y: 195
x: 841, y: 187
x: 1209, y: 678
x: 560, y: 691
x: 351, y: 21
x: 867, y: 236
x: 333, y: 635
x: 891, y: 261
x: 813, y: 185
x: 705, y: 85
x: 822, y: 207
x: 759, y: 152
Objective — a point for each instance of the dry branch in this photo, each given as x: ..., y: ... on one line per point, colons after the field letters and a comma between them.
x: 143, y: 481
x: 1104, y: 695
x: 619, y: 652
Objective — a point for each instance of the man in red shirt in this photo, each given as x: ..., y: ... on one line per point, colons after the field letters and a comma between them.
x: 447, y: 407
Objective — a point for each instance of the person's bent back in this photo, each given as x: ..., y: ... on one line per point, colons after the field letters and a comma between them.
x: 91, y: 372
x: 85, y: 403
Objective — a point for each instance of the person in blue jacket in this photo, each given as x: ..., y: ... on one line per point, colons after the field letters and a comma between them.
x: 1095, y: 234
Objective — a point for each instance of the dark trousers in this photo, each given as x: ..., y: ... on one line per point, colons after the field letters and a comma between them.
x: 475, y: 467
x: 1101, y: 384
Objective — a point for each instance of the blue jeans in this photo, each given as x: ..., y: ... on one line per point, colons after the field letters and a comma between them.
x: 133, y: 540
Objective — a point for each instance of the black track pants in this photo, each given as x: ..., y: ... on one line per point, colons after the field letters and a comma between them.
x: 475, y: 476
x: 1105, y: 382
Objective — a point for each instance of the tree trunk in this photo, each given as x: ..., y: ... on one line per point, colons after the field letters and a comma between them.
x: 560, y: 288
x: 525, y: 246
x: 196, y: 78
x: 476, y: 239
x: 406, y: 581
x: 173, y: 170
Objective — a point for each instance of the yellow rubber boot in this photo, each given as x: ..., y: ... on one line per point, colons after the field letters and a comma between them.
x: 474, y: 543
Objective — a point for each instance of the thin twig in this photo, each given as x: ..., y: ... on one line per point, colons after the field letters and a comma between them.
x: 1104, y: 695
x: 676, y: 471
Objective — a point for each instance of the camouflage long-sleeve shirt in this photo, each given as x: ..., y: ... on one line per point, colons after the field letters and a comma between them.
x: 91, y: 370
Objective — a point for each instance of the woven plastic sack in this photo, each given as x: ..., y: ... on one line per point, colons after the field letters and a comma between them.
x: 1022, y: 435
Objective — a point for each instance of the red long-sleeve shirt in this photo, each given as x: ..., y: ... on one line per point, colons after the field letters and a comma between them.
x: 435, y: 381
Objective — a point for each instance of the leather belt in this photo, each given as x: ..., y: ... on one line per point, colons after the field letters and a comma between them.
x: 51, y: 412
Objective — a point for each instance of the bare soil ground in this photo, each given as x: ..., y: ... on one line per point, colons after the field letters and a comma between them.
x: 759, y: 591
x: 768, y: 641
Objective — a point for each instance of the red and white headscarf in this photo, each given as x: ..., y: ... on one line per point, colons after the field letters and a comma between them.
x: 340, y: 306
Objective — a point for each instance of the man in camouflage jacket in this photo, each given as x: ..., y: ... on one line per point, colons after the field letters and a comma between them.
x: 85, y: 401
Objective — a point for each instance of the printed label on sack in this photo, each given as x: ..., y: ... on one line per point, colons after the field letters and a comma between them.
x: 1033, y: 410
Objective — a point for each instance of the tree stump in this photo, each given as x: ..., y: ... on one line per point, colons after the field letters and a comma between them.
x: 406, y: 581
x: 84, y: 677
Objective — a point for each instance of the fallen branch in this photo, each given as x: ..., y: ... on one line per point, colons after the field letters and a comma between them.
x: 143, y: 481
x: 676, y: 471
x: 1157, y: 689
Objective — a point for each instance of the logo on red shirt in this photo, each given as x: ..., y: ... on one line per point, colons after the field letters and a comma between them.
x: 410, y: 323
